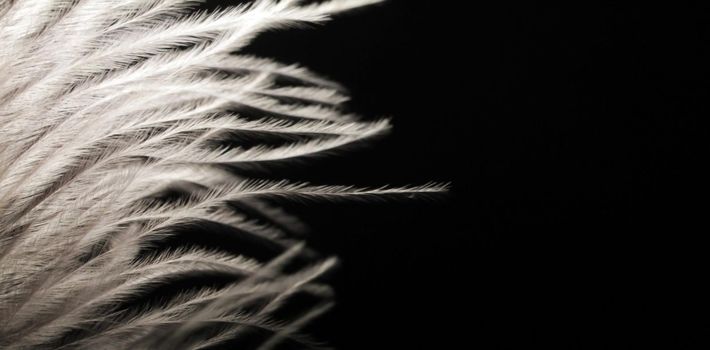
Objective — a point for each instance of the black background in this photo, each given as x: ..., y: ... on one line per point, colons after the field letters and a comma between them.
x: 571, y: 137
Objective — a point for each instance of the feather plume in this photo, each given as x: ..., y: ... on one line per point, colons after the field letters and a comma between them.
x: 118, y: 122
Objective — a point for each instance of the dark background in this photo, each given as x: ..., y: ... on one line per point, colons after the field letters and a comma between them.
x: 572, y: 140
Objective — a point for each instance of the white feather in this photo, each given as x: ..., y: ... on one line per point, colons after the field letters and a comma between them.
x: 107, y: 106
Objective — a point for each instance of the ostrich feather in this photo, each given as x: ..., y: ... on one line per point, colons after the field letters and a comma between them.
x: 126, y: 123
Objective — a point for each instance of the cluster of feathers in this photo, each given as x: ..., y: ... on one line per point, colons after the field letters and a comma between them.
x: 127, y: 122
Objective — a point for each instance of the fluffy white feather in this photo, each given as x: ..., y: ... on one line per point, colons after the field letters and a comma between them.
x: 117, y: 122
